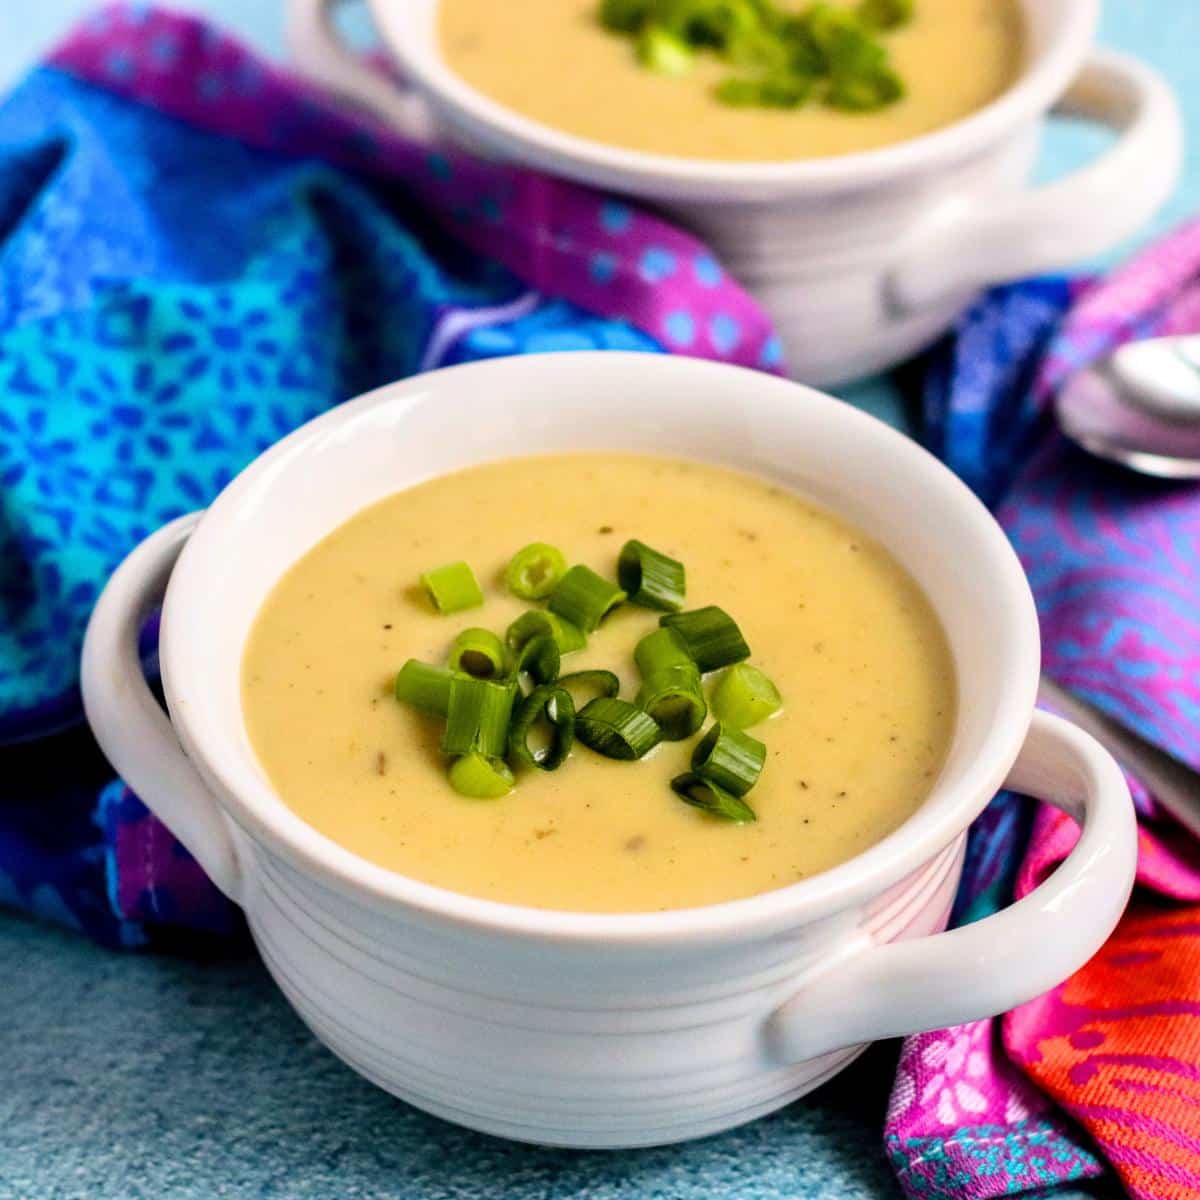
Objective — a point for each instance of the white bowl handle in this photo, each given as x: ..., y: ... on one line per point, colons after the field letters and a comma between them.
x: 127, y: 720
x: 973, y: 245
x: 1005, y: 959
x: 325, y: 59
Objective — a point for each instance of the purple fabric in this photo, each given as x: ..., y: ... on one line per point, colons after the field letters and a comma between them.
x: 561, y: 238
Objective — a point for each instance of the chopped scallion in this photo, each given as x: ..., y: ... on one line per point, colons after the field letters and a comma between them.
x: 596, y: 683
x: 584, y: 598
x: 709, y: 797
x: 616, y: 729
x: 744, y: 696
x: 553, y: 705
x: 885, y: 14
x: 452, y: 588
x: 661, y: 51
x: 537, y: 623
x: 425, y: 687
x: 534, y: 571
x: 478, y: 652
x: 624, y: 16
x: 540, y: 659
x: 661, y: 649
x: 651, y: 579
x: 478, y: 716
x: 731, y: 759
x: 710, y: 635
x: 674, y: 698
x: 481, y: 777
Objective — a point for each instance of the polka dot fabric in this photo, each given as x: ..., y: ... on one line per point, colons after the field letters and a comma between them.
x: 562, y: 239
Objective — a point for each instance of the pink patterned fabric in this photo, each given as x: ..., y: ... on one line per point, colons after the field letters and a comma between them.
x: 561, y: 238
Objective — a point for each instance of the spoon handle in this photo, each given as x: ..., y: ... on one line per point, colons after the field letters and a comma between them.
x: 1176, y: 787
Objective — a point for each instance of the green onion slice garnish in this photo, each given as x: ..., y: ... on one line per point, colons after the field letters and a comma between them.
x: 478, y: 652
x: 481, y: 777
x: 584, y: 598
x: 534, y: 571
x: 784, y: 55
x: 744, y: 696
x: 710, y: 635
x: 478, y: 716
x: 674, y: 698
x: 624, y: 16
x: 659, y: 650
x: 616, y: 729
x: 661, y: 51
x: 452, y: 588
x: 885, y: 14
x: 709, y: 797
x: 731, y: 759
x: 553, y: 705
x: 540, y: 659
x: 425, y: 687
x: 651, y: 579
x: 536, y: 623
x: 596, y: 683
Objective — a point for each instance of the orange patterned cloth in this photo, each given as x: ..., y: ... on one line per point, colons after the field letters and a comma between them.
x: 1118, y: 1045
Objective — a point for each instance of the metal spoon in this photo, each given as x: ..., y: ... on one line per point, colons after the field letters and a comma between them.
x: 1173, y: 784
x: 1139, y: 407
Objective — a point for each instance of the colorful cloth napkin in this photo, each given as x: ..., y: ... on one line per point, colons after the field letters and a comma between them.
x: 198, y: 254
x: 1104, y: 1069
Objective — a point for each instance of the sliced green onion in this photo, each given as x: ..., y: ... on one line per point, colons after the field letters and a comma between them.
x: 481, y: 777
x: 584, y: 598
x: 478, y: 652
x: 555, y: 706
x: 674, y: 698
x: 661, y: 649
x: 731, y: 759
x: 651, y: 579
x: 777, y: 91
x: 616, y: 729
x: 537, y: 623
x: 598, y: 683
x: 885, y: 14
x: 624, y: 16
x: 452, y: 587
x: 744, y: 696
x: 670, y: 690
x: 425, y: 687
x: 711, y: 636
x: 866, y: 92
x: 697, y: 791
x: 540, y: 659
x: 534, y: 571
x: 478, y: 716
x: 661, y: 51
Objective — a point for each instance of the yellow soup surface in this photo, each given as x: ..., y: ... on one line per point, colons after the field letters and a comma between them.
x: 551, y: 60
x: 847, y: 636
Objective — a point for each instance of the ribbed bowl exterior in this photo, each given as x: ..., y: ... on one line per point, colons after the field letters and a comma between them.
x: 557, y: 1043
x: 821, y: 267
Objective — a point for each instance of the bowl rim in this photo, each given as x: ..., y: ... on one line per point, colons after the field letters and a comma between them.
x: 1041, y: 84
x: 247, y: 799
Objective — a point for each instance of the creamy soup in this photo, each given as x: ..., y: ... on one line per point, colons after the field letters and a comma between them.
x: 853, y: 645
x: 550, y: 60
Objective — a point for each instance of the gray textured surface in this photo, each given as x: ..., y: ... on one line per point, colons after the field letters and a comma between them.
x: 154, y: 1078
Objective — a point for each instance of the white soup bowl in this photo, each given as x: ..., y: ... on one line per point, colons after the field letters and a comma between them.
x: 862, y: 259
x: 585, y: 1029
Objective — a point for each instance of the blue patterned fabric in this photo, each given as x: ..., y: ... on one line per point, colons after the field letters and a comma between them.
x: 171, y: 303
